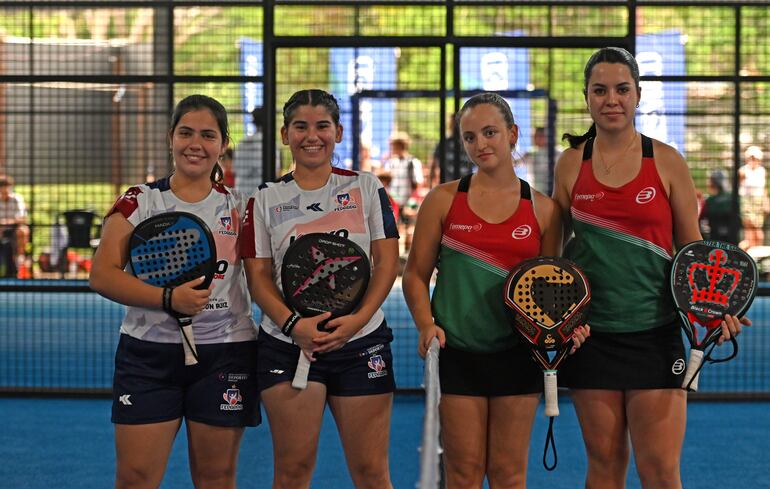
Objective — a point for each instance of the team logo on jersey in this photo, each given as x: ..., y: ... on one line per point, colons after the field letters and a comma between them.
x: 226, y: 226
x: 345, y: 202
x: 377, y: 364
x: 590, y: 197
x: 522, y: 232
x: 678, y: 366
x: 467, y: 228
x: 233, y: 400
x: 645, y: 195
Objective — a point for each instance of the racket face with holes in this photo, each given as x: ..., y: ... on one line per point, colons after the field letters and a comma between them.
x: 548, y: 297
x: 172, y: 248
x: 324, y: 273
x: 710, y: 279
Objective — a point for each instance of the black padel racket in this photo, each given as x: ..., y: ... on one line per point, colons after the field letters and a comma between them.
x: 710, y: 279
x: 549, y: 298
x: 168, y: 250
x: 322, y: 273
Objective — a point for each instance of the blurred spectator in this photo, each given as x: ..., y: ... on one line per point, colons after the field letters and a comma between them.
x: 719, y: 220
x: 752, y: 188
x: 226, y: 162
x: 386, y: 179
x: 247, y: 160
x: 537, y: 162
x: 13, y: 228
x: 451, y: 144
x: 407, y: 176
x: 365, y: 161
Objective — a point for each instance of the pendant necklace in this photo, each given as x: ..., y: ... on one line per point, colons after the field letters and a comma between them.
x: 607, y: 168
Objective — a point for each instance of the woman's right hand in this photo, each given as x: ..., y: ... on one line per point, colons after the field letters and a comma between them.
x: 426, y: 335
x: 187, y: 300
x: 307, y: 329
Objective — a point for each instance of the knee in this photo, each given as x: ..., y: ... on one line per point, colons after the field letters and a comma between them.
x: 464, y: 474
x: 136, y: 477
x: 371, y: 479
x: 213, y: 477
x: 294, y: 475
x: 611, y: 461
x: 507, y: 477
x: 658, y: 472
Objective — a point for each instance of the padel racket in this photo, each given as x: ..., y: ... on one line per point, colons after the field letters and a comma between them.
x: 710, y: 279
x: 549, y: 298
x: 322, y: 273
x: 168, y: 250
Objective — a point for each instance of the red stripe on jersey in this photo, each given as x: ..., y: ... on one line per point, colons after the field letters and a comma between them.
x: 342, y: 171
x: 248, y: 247
x: 126, y: 203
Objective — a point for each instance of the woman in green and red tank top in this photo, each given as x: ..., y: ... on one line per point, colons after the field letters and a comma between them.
x: 628, y: 199
x: 475, y: 230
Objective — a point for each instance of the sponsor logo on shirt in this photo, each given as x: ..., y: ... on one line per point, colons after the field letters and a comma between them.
x: 645, y: 195
x: 231, y: 377
x: 467, y: 228
x: 233, y: 400
x: 345, y: 202
x: 522, y: 232
x: 590, y: 197
x: 377, y: 364
x: 285, y: 207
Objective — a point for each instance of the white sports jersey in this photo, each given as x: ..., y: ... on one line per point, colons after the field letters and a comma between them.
x: 351, y: 204
x: 227, y: 316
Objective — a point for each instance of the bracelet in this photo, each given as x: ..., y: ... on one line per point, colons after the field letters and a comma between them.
x: 167, y: 299
x: 288, y: 326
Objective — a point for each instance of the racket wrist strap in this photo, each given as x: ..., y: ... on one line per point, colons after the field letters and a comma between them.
x: 167, y: 291
x: 290, y: 323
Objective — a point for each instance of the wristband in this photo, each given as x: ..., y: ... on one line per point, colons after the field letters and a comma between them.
x: 288, y: 326
x: 167, y: 299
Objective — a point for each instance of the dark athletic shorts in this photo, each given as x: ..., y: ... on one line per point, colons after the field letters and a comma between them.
x: 652, y: 359
x: 506, y: 373
x: 152, y: 384
x: 361, y: 367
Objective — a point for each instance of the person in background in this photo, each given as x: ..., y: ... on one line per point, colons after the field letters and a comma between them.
x: 629, y: 199
x: 719, y: 220
x: 247, y: 159
x: 352, y: 370
x: 153, y: 390
x: 452, y: 149
x: 226, y: 162
x: 13, y: 228
x: 407, y: 178
x: 752, y: 189
x: 537, y: 161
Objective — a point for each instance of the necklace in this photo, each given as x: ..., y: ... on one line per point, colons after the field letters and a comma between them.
x: 608, y: 168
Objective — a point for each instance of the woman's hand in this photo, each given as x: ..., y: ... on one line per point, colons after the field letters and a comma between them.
x: 306, y: 331
x: 339, y: 331
x: 731, y: 327
x: 426, y: 335
x: 580, y: 336
x: 188, y: 300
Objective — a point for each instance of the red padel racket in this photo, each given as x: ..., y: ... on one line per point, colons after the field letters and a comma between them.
x: 168, y: 250
x: 710, y: 279
x: 549, y: 298
x: 322, y: 273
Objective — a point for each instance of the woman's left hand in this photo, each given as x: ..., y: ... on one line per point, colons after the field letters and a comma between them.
x: 581, y: 335
x: 340, y: 330
x: 731, y: 327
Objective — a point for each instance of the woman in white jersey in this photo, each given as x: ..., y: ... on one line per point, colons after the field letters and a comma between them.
x: 353, y: 370
x: 153, y: 389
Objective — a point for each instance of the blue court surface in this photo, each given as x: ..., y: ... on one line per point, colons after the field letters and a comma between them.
x: 67, y: 443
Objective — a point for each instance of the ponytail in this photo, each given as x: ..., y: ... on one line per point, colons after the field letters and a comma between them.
x: 575, y: 140
x: 217, y: 174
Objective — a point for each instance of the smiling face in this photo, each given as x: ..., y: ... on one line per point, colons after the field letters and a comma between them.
x: 311, y: 134
x: 487, y: 138
x: 197, y: 144
x: 612, y: 96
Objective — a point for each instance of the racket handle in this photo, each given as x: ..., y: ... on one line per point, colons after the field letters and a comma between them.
x: 692, y: 373
x: 303, y: 369
x: 551, y: 393
x: 188, y: 341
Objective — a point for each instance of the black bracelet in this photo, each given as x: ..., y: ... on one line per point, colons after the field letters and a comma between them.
x: 288, y: 326
x: 167, y: 299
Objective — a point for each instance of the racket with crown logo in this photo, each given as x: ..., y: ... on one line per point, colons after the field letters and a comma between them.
x: 322, y: 273
x: 710, y: 279
x: 170, y: 249
x: 548, y: 297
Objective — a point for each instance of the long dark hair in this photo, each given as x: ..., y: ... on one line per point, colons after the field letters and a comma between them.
x: 604, y: 55
x: 313, y: 97
x: 200, y: 102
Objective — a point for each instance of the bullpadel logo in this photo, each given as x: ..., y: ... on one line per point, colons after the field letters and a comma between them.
x: 645, y: 195
x: 522, y: 232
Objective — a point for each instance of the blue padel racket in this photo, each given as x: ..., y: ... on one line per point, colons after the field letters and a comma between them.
x: 322, y: 273
x: 548, y: 297
x: 168, y: 250
x: 710, y: 279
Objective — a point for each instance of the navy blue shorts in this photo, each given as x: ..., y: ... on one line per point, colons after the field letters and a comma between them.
x: 651, y: 359
x: 152, y: 384
x: 481, y: 374
x: 361, y: 367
